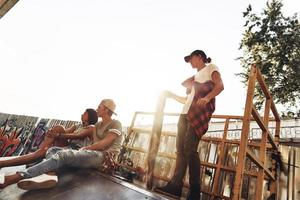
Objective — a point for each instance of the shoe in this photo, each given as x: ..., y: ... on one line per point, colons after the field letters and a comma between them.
x: 194, y: 193
x: 171, y: 190
x: 39, y: 182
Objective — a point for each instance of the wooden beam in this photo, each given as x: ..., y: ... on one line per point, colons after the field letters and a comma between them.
x: 262, y: 150
x: 263, y: 127
x: 6, y: 5
x: 254, y: 159
x: 155, y: 139
x: 138, y: 149
x: 142, y: 130
x: 221, y: 158
x: 244, y: 135
x: 275, y: 112
x: 237, y: 142
x: 149, y: 131
x: 263, y: 84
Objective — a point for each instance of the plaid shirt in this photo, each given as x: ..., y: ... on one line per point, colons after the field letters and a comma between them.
x: 199, y: 117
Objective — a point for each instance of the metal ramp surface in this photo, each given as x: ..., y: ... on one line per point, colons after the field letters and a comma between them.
x: 78, y: 184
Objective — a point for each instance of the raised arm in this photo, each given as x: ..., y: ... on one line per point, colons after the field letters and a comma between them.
x: 71, y: 129
x: 180, y: 99
x: 86, y: 132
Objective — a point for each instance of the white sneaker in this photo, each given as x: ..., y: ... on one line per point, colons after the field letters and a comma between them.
x: 39, y: 182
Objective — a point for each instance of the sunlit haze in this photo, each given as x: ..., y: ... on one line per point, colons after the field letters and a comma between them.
x: 58, y: 58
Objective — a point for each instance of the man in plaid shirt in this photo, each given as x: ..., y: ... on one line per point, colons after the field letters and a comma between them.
x: 199, y: 106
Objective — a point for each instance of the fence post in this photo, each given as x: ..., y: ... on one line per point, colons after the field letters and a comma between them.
x: 155, y: 139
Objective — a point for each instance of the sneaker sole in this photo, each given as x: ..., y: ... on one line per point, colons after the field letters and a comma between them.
x: 31, y: 185
x: 167, y: 194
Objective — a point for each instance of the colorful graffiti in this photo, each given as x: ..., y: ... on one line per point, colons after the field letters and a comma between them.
x: 21, y: 134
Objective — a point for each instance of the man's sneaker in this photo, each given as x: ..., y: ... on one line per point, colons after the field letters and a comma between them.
x: 171, y: 190
x: 39, y: 182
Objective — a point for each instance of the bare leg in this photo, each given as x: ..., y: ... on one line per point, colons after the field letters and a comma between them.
x: 32, y: 157
x: 25, y: 159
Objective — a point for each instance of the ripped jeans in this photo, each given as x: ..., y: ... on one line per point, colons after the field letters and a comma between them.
x: 57, y: 157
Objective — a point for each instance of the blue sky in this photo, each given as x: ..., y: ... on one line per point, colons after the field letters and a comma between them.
x: 60, y: 57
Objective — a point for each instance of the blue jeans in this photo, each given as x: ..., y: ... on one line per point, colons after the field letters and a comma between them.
x: 57, y: 157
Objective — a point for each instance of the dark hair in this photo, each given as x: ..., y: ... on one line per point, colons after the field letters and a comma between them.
x: 92, y: 116
x: 208, y: 60
x: 198, y: 53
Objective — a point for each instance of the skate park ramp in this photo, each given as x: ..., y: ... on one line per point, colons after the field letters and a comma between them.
x: 78, y: 184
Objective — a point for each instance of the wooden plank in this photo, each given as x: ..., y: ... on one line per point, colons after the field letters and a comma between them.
x: 213, y: 116
x: 155, y: 139
x: 262, y: 151
x: 149, y: 131
x: 237, y: 142
x: 263, y: 84
x: 133, y: 120
x: 6, y: 5
x: 142, y: 130
x: 245, y: 134
x: 275, y: 112
x: 221, y: 158
x: 274, y: 187
x: 138, y: 149
x: 263, y: 127
x: 167, y: 155
x: 254, y: 159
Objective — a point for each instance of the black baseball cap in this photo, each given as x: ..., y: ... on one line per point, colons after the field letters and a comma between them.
x: 195, y: 53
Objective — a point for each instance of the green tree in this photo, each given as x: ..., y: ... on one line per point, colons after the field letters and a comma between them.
x: 272, y: 41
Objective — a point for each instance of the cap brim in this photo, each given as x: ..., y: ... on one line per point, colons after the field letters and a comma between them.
x: 187, y: 58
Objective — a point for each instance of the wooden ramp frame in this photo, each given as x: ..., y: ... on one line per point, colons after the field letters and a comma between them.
x: 254, y: 151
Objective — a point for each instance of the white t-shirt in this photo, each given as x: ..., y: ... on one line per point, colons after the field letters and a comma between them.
x: 202, y: 76
x: 102, y: 131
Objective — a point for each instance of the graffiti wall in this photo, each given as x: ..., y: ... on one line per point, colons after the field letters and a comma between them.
x: 21, y: 134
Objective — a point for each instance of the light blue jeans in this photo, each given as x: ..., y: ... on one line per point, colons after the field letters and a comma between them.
x: 57, y: 157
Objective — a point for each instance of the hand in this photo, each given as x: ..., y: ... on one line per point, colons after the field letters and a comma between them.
x: 202, y: 101
x: 167, y: 93
x: 84, y: 148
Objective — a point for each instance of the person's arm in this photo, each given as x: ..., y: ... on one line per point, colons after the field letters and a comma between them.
x: 71, y: 129
x: 86, y: 132
x: 218, y: 88
x: 104, y: 143
x: 180, y: 99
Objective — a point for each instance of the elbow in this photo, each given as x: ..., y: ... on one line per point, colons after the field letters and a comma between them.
x: 221, y: 87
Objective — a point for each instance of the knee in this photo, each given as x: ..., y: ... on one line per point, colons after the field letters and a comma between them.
x: 188, y: 153
x: 51, y: 151
x: 64, y: 156
x: 58, y: 129
x: 42, y: 152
